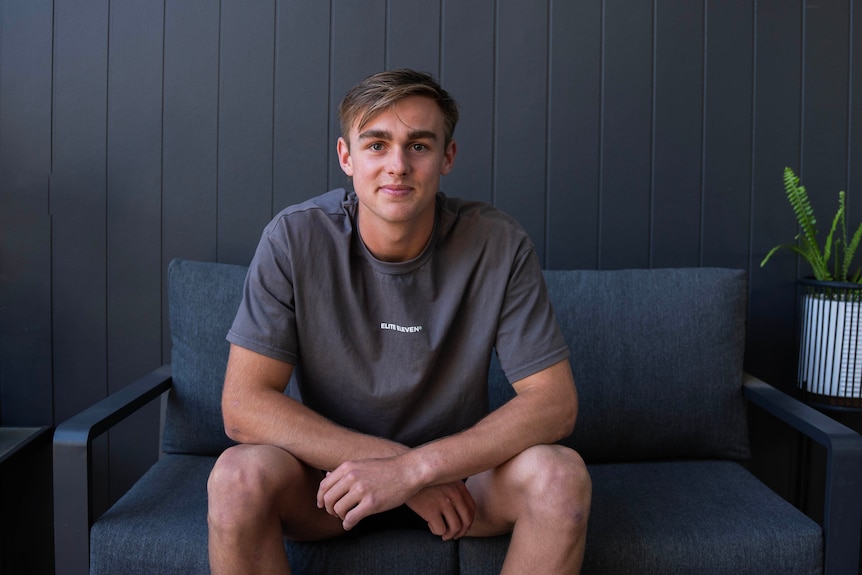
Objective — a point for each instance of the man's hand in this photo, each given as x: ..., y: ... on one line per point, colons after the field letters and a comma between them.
x: 357, y: 489
x: 449, y: 509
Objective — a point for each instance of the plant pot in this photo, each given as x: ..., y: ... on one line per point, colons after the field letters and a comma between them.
x: 830, y: 346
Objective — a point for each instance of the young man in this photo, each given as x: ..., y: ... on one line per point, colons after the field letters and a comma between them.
x: 388, y: 302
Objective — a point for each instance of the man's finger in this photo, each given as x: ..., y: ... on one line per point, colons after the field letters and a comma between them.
x: 331, y: 494
x: 437, y: 526
x: 354, y: 515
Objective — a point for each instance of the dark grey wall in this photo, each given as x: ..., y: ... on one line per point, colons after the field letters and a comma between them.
x: 621, y: 133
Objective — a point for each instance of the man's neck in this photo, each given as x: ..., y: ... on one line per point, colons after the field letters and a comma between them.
x: 395, y: 242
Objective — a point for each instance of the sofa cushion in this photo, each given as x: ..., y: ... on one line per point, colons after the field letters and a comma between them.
x: 657, y: 357
x: 160, y: 526
x: 704, y: 517
x: 391, y: 552
x: 202, y: 302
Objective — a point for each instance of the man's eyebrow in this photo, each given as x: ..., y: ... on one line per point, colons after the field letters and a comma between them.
x: 386, y: 135
x: 375, y: 135
x: 423, y: 135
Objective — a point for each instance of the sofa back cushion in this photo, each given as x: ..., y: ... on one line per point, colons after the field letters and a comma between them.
x: 657, y: 357
x: 202, y: 302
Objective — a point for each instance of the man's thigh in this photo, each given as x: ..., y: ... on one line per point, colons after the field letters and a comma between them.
x: 271, y: 478
x: 503, y: 493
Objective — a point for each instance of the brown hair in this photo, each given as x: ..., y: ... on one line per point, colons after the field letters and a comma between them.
x: 380, y: 91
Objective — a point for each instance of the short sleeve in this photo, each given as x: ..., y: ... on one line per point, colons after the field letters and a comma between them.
x: 529, y: 338
x: 266, y: 319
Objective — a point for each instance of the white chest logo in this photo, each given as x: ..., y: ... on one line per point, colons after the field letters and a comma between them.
x: 401, y: 328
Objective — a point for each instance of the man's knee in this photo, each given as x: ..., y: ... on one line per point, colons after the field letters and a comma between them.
x: 242, y: 484
x: 231, y: 485
x: 558, y: 484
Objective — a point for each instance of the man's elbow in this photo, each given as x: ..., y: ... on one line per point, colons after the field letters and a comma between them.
x: 563, y: 398
x: 567, y: 426
x: 568, y: 415
x: 232, y: 420
x: 234, y: 433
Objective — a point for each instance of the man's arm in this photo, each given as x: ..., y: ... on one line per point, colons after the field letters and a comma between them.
x: 255, y: 410
x: 543, y: 411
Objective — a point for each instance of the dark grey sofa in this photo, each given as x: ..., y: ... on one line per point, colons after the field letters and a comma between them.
x: 658, y: 360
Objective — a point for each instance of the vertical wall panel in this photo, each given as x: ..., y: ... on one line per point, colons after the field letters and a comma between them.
x: 727, y: 168
x: 521, y: 115
x: 25, y: 225
x: 824, y: 113
x: 358, y: 50
x: 574, y: 134
x: 467, y: 72
x: 134, y: 211
x: 190, y: 149
x: 413, y: 35
x: 78, y: 204
x: 677, y: 134
x: 246, y: 80
x: 854, y: 144
x: 626, y: 131
x: 302, y: 136
x: 776, y: 144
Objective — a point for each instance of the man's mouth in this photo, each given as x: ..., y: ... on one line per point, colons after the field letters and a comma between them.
x: 396, y: 190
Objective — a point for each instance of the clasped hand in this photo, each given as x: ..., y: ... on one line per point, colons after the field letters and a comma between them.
x: 357, y: 489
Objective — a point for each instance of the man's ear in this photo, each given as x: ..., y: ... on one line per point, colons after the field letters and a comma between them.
x: 448, y: 158
x: 343, y: 150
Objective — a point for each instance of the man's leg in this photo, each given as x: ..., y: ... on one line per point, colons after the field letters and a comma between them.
x: 542, y: 497
x: 257, y: 495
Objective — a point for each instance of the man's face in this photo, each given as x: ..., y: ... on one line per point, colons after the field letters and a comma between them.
x: 396, y: 161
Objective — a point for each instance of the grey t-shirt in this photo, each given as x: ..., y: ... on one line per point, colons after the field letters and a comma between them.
x: 398, y: 350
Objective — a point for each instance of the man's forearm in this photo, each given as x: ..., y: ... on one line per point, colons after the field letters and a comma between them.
x: 256, y: 411
x: 316, y: 441
x: 544, y: 411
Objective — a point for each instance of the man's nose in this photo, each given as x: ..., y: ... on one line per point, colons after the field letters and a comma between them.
x: 398, y: 164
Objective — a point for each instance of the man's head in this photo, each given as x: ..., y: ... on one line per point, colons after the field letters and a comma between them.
x: 396, y: 144
x: 382, y: 90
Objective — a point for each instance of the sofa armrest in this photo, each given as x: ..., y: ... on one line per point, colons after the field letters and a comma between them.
x: 73, y: 439
x: 842, y: 517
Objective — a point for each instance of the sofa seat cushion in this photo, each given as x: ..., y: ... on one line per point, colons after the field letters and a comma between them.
x: 405, y: 552
x: 704, y: 517
x: 160, y: 526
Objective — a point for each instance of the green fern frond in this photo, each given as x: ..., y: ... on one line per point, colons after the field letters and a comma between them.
x: 836, y: 249
x: 842, y: 208
x: 827, y: 246
x: 791, y: 247
x: 798, y: 198
x: 850, y: 253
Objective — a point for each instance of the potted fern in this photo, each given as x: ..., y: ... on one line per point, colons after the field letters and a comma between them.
x: 830, y: 358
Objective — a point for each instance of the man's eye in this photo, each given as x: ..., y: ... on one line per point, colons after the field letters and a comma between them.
x: 419, y: 147
x: 376, y: 146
